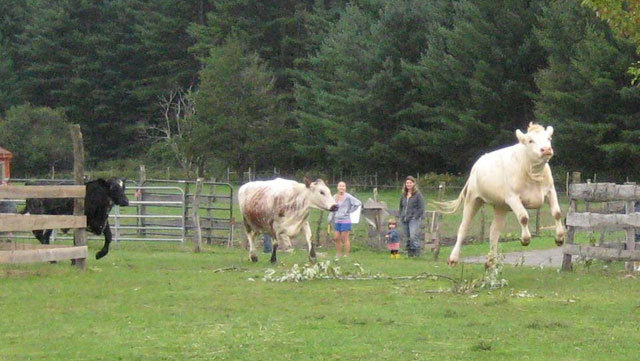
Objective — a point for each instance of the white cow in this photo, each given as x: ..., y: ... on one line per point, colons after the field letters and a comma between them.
x: 512, y: 178
x: 281, y: 207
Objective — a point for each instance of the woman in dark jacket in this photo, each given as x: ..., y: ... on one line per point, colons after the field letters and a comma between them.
x: 411, y: 213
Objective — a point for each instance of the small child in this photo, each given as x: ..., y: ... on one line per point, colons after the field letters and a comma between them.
x: 393, y: 240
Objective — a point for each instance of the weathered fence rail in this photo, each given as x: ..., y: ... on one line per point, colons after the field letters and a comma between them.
x: 592, y: 221
x: 159, y: 211
x: 24, y: 253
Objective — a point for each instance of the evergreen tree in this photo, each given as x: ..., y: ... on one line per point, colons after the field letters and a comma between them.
x: 164, y: 42
x: 350, y: 96
x: 12, y: 15
x: 473, y: 84
x: 9, y: 90
x: 275, y: 30
x: 237, y: 110
x: 412, y: 86
x: 72, y: 60
x: 587, y: 94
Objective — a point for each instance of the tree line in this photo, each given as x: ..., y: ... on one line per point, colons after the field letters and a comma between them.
x: 370, y: 86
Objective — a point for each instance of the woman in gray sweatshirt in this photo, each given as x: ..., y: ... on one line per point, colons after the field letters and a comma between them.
x: 341, y: 218
x: 411, y: 213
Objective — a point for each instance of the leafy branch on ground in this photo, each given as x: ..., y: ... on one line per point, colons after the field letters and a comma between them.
x: 326, y: 270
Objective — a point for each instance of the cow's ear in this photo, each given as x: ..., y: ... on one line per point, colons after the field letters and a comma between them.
x: 549, y: 130
x: 307, y: 182
x: 521, y: 137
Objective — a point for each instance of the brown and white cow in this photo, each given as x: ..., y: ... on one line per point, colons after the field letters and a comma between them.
x: 281, y: 207
x: 513, y: 178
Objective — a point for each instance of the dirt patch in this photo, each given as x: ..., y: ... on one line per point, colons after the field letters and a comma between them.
x: 541, y: 258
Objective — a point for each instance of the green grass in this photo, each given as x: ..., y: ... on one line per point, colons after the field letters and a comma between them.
x: 149, y: 301
x: 161, y: 302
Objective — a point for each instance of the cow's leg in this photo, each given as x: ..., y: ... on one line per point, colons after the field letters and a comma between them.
x: 523, y: 218
x: 252, y: 236
x: 47, y: 235
x: 556, y: 213
x: 307, y: 236
x: 285, y: 238
x: 43, y: 236
x: 107, y: 241
x: 499, y: 217
x: 471, y: 207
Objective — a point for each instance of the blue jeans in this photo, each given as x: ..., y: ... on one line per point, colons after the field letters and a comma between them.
x: 267, y: 243
x: 411, y: 232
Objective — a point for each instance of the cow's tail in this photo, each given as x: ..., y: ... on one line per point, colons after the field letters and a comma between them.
x: 449, y: 207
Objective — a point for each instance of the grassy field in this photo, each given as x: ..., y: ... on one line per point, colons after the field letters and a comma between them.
x: 148, y: 301
x: 161, y: 302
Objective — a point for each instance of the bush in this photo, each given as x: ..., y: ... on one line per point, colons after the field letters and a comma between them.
x: 432, y: 180
x: 39, y: 139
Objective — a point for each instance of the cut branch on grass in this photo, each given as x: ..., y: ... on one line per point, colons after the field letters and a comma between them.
x: 327, y: 271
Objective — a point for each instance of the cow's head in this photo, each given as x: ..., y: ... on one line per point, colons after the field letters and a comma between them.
x: 537, y: 142
x: 116, y: 189
x: 320, y: 195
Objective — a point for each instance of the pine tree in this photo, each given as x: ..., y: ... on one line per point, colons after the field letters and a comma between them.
x: 71, y: 61
x: 237, y: 110
x: 473, y: 84
x: 587, y: 94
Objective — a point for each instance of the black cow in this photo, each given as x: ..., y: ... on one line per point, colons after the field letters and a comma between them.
x: 99, y: 198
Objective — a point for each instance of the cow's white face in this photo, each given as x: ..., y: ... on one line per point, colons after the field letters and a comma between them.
x: 320, y: 196
x: 537, y: 143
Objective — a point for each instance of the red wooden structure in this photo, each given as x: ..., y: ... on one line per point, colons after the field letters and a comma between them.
x: 5, y: 163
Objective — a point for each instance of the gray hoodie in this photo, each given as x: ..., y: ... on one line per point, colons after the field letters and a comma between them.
x: 348, y: 205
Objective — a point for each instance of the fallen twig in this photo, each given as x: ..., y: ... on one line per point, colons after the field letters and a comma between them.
x: 232, y: 268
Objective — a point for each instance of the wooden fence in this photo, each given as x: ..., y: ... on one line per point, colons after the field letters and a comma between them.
x: 25, y: 253
x: 592, y: 221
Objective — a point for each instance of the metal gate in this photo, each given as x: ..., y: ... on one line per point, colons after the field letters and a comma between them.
x: 154, y: 205
x: 155, y: 213
x: 160, y: 211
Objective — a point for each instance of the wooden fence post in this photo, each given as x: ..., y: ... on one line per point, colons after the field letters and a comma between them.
x: 482, y: 225
x: 185, y: 214
x: 197, y: 232
x: 79, y: 234
x: 438, y: 219
x: 319, y: 229
x: 210, y: 201
x: 630, y: 234
x: 141, y: 209
x: 566, y: 260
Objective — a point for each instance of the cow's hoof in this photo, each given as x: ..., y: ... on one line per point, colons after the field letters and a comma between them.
x: 273, y: 260
x: 100, y: 254
x: 488, y: 265
x: 254, y: 258
x: 313, y: 260
x: 525, y: 241
x: 452, y: 263
x: 559, y: 242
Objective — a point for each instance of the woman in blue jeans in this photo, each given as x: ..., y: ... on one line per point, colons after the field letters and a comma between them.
x: 411, y: 213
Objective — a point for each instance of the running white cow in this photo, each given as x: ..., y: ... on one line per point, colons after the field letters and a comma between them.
x: 512, y: 178
x: 281, y: 207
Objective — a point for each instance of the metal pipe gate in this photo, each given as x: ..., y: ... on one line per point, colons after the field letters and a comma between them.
x: 159, y: 211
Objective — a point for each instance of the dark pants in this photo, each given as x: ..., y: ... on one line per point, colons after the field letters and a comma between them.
x: 411, y: 232
x: 268, y: 247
